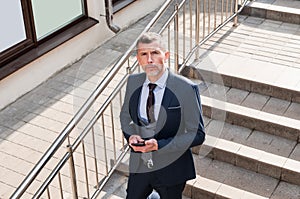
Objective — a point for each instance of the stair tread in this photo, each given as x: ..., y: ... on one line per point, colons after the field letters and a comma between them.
x: 258, y: 155
x: 238, y: 180
x: 218, y: 188
x: 260, y: 51
x: 235, y: 176
x: 259, y: 120
x: 289, y: 6
x: 254, y: 100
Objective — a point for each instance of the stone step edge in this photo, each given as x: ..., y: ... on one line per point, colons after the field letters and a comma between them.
x: 256, y: 160
x: 103, y: 194
x: 205, y: 188
x: 251, y: 118
x: 199, y: 187
x: 273, y: 12
x: 264, y: 88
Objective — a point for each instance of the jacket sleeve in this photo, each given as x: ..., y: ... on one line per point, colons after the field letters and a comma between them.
x: 125, y: 118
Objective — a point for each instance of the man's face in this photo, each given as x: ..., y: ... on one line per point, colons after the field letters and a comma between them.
x: 152, y: 59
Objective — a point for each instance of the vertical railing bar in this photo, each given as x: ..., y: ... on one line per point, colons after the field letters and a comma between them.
x: 176, y: 29
x: 204, y: 17
x: 209, y: 1
x: 48, y: 193
x: 227, y: 4
x: 95, y: 157
x: 197, y: 29
x: 236, y: 10
x: 183, y: 28
x: 113, y: 132
x: 231, y: 7
x: 215, y: 10
x: 85, y: 169
x: 104, y: 142
x: 60, y: 185
x: 169, y: 44
x: 72, y: 172
x: 222, y: 10
x: 69, y: 142
x: 191, y: 24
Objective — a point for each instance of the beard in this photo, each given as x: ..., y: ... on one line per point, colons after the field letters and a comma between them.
x: 153, y: 69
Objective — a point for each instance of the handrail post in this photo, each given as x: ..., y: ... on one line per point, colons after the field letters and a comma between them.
x: 72, y: 173
x: 197, y: 36
x: 235, y: 11
x: 176, y: 42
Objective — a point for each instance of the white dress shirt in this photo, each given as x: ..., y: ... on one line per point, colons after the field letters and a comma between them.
x: 158, y: 95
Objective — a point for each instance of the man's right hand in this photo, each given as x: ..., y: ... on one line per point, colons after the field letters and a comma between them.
x: 133, y: 139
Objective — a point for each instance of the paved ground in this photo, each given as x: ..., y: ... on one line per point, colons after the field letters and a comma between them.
x: 29, y: 125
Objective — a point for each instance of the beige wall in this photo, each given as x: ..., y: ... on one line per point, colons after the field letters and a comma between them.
x: 44, y: 67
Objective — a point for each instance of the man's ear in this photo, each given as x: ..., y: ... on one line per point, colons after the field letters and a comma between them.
x: 167, y: 55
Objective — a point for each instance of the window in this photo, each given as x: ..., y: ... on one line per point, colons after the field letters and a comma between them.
x: 52, y: 15
x: 12, y: 21
x: 119, y: 4
x: 30, y: 28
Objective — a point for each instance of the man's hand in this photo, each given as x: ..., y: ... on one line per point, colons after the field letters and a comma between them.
x: 150, y: 145
x: 135, y: 139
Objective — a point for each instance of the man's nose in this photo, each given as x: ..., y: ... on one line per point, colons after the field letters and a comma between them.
x: 149, y: 59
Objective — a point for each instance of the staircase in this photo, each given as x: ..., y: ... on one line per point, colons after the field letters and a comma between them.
x: 249, y: 77
x: 250, y: 83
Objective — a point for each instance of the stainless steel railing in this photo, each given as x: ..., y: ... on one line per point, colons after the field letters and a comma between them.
x: 99, y: 147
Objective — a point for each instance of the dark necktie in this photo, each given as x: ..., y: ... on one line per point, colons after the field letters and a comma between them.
x: 150, y: 103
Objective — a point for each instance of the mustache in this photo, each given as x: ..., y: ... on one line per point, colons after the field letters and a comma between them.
x: 151, y: 65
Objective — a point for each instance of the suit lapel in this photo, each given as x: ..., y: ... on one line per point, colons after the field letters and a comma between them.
x: 135, y: 98
x: 167, y: 97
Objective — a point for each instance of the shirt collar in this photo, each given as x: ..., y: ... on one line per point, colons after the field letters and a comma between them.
x: 161, y: 82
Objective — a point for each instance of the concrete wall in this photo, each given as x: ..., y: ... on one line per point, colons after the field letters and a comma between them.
x: 33, y: 74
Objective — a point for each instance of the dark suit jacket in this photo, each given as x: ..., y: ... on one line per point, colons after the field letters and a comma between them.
x: 179, y: 127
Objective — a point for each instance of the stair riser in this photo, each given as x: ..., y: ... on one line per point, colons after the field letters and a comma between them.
x: 198, y: 193
x: 255, y: 165
x: 243, y: 84
x: 271, y: 14
x: 253, y: 123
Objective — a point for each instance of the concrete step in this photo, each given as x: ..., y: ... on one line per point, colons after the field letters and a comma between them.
x: 202, y: 188
x: 281, y: 10
x: 116, y: 186
x: 217, y: 179
x: 251, y: 118
x: 252, y: 100
x: 238, y: 81
x: 252, y: 158
x: 264, y: 142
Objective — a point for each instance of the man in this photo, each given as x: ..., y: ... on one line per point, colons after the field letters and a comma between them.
x: 160, y: 134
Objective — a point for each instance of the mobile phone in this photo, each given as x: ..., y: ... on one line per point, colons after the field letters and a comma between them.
x: 138, y: 144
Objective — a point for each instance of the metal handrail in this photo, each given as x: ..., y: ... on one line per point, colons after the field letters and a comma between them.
x: 81, y: 112
x: 89, y: 102
x: 212, y: 34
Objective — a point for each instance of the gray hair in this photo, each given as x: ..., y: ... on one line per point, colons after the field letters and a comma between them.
x: 150, y: 37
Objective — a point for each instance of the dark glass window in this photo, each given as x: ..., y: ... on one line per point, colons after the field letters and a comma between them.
x: 119, y: 4
x: 30, y: 28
